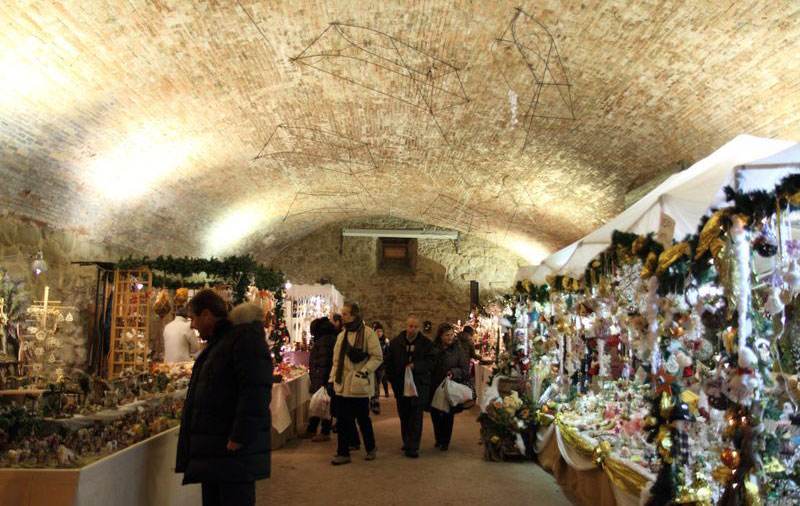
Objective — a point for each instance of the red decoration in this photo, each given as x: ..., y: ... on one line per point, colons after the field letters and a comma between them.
x: 662, y: 381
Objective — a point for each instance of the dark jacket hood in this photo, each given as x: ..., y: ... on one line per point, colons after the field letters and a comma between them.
x: 324, y: 327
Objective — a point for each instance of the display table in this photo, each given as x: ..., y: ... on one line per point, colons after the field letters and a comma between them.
x: 142, y: 474
x: 297, y: 357
x: 565, y: 453
x: 289, y: 408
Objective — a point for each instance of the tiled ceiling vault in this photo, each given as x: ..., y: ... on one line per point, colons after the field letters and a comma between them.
x: 209, y: 127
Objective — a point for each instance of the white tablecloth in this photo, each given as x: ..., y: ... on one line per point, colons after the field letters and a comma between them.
x: 546, y: 437
x: 482, y: 375
x: 289, y: 408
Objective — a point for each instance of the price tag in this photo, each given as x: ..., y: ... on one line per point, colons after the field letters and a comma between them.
x: 666, y: 229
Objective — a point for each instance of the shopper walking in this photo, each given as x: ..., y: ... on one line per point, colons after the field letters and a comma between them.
x: 224, y: 439
x: 356, y: 356
x: 384, y: 378
x: 411, y: 350
x: 450, y: 363
x: 320, y: 362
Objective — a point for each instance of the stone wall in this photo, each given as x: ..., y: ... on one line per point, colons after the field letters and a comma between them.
x: 73, y: 285
x: 439, y: 291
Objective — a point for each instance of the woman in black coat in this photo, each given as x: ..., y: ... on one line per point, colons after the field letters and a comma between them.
x: 320, y: 362
x: 450, y: 363
x: 224, y: 441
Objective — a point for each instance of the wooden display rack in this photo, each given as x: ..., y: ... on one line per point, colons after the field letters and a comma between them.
x: 130, y: 326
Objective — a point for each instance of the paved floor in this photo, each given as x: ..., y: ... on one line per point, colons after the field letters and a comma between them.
x: 302, y: 473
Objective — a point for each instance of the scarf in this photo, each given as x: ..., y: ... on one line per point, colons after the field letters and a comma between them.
x: 355, y: 352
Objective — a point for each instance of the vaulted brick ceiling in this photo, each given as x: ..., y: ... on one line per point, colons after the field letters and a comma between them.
x: 181, y: 127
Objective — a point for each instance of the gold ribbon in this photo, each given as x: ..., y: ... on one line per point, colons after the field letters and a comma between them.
x: 672, y: 255
x: 709, y: 237
x: 751, y: 494
x: 650, y: 265
x: 619, y: 472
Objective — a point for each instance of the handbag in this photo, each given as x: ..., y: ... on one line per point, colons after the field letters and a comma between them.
x: 356, y: 355
x: 361, y: 384
x: 355, y: 352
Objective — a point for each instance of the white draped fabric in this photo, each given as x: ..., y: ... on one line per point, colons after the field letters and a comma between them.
x: 286, y: 398
x: 576, y: 461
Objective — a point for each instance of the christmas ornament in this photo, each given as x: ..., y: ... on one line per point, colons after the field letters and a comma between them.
x: 162, y: 305
x: 766, y: 244
x: 731, y: 458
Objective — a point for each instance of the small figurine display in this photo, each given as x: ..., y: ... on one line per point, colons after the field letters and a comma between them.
x: 34, y: 436
x: 25, y: 443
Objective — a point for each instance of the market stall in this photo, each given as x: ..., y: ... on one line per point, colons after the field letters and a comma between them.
x: 304, y: 303
x: 665, y: 366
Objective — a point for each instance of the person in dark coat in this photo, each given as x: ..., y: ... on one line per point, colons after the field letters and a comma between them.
x: 380, y: 373
x: 384, y: 380
x: 450, y: 363
x: 411, y: 350
x: 320, y: 362
x: 224, y: 439
x: 466, y: 339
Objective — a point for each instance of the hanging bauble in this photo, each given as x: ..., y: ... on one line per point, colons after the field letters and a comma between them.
x: 181, y: 297
x: 731, y: 458
x: 162, y: 305
x: 791, y: 276
x: 774, y: 304
x: 766, y: 244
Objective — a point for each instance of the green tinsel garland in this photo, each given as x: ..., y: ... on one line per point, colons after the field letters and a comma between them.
x: 235, y: 270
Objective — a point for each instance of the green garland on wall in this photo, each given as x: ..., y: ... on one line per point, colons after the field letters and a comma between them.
x: 236, y: 270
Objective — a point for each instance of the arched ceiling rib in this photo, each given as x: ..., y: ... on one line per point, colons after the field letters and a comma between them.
x: 208, y: 127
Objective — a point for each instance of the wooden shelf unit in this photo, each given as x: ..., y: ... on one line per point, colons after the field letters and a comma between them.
x: 130, y: 325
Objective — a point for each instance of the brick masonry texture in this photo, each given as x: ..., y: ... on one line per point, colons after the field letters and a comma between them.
x: 439, y: 291
x: 652, y: 83
x: 73, y: 285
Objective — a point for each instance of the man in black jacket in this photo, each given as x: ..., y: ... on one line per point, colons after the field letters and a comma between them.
x: 224, y: 440
x: 411, y: 350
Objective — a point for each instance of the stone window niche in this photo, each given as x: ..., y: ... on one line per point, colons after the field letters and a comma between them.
x: 397, y: 256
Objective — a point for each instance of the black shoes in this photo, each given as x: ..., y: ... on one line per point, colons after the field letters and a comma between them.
x: 412, y: 454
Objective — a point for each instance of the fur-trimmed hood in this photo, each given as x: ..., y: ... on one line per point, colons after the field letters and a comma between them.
x: 246, y: 313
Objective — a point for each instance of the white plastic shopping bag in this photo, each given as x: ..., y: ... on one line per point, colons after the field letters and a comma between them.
x: 409, y: 388
x: 457, y: 393
x: 320, y: 405
x: 440, y: 400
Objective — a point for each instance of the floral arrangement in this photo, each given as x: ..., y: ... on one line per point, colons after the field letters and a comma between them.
x: 506, y: 418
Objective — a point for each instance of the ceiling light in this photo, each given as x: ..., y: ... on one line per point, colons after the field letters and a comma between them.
x: 228, y: 232
x: 131, y: 167
x: 401, y: 234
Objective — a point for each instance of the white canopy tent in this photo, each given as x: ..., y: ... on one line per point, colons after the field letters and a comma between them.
x: 685, y: 197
